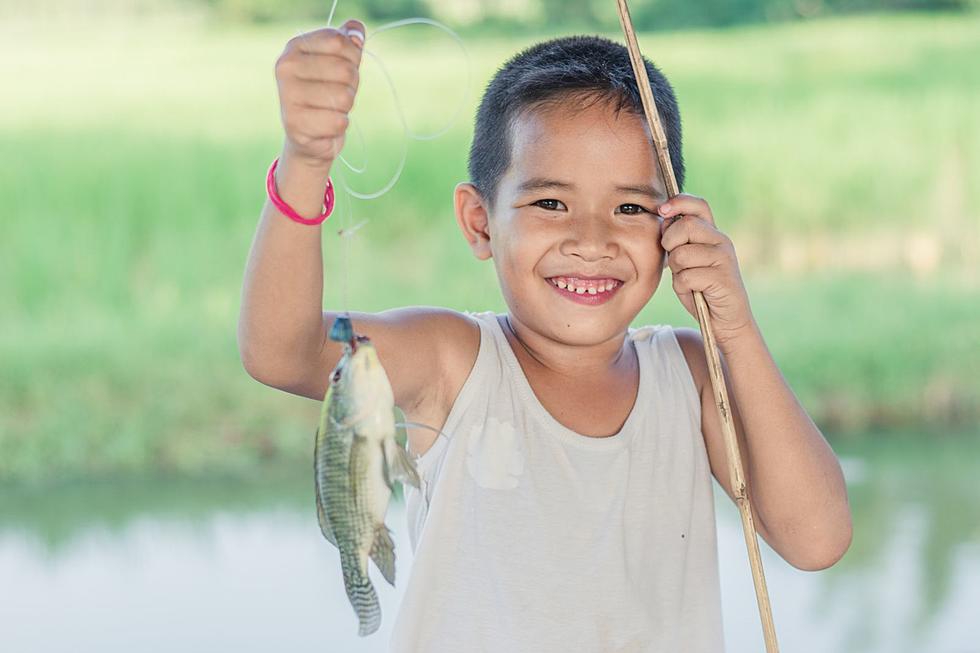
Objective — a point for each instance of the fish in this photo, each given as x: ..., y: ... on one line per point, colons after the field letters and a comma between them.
x: 356, y: 461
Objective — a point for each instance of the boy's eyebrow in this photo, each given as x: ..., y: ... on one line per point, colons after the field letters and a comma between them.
x: 544, y: 183
x: 641, y: 189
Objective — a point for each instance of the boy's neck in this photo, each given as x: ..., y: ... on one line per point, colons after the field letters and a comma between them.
x: 572, y: 361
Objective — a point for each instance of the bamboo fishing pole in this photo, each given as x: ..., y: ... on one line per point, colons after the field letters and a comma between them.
x: 711, y: 351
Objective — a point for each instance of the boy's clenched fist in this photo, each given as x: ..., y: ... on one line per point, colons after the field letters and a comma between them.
x: 317, y: 75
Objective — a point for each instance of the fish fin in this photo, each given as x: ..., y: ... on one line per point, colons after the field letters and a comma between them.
x: 399, y: 464
x: 385, y: 471
x: 321, y: 430
x: 361, y: 592
x: 401, y: 433
x: 325, y: 526
x: 383, y: 553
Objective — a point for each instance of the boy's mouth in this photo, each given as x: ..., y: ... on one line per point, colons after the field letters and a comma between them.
x: 586, y: 290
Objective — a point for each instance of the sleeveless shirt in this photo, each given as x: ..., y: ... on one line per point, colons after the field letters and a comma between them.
x: 530, y: 537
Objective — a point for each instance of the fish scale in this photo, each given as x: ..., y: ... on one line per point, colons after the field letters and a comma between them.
x: 359, y: 588
x: 345, y: 497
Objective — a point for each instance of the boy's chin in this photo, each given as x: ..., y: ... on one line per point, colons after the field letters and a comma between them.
x: 579, y: 328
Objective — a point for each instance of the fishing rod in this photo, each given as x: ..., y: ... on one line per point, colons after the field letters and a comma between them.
x: 711, y: 351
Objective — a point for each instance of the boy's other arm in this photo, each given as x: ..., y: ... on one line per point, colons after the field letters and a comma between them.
x: 794, y: 481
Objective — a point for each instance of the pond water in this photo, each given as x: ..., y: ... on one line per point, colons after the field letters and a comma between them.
x: 230, y: 565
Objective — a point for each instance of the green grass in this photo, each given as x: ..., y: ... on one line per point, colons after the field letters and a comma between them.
x: 132, y: 181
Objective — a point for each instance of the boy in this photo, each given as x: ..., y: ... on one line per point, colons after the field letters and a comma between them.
x: 568, y: 504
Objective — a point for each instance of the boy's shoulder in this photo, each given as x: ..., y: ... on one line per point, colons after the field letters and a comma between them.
x: 453, y: 335
x: 441, y: 328
x: 689, y: 340
x: 692, y: 346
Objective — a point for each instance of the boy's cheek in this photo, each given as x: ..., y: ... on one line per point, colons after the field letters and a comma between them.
x: 650, y: 250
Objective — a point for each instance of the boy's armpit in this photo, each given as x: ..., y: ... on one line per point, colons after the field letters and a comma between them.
x: 692, y: 344
x: 427, y: 353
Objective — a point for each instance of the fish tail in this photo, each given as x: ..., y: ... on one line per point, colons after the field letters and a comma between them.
x: 361, y: 593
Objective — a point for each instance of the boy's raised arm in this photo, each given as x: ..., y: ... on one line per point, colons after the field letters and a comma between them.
x: 281, y: 324
x: 282, y: 328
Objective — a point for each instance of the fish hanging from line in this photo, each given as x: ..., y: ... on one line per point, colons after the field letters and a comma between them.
x: 356, y: 461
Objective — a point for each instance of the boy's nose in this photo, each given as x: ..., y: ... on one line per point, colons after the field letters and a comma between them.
x: 589, y: 240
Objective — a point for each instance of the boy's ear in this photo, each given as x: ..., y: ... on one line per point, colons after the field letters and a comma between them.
x: 473, y: 219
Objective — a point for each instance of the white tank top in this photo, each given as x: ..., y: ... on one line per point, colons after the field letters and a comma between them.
x: 530, y: 537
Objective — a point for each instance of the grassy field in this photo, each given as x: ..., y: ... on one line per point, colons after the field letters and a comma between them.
x: 843, y: 157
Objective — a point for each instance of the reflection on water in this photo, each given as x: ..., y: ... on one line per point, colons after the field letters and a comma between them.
x: 216, y: 565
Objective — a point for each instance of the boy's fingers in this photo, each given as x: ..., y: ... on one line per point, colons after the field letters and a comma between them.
x: 355, y: 31
x: 326, y: 68
x: 694, y: 255
x: 328, y: 40
x: 690, y: 229
x: 685, y: 204
x: 325, y: 95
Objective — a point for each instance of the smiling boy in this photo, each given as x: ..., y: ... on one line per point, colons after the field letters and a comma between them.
x: 567, y: 504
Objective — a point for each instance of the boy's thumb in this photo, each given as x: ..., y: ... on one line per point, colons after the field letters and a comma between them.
x: 355, y: 31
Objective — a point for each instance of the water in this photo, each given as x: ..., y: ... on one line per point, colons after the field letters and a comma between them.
x: 225, y: 565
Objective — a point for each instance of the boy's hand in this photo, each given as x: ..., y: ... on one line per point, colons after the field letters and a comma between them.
x: 317, y: 75
x: 702, y: 258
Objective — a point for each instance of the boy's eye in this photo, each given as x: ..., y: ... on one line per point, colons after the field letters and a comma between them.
x: 632, y: 209
x: 550, y: 205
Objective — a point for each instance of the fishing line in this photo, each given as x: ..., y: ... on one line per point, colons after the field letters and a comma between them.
x: 417, y: 425
x: 466, y: 55
x: 345, y: 219
x: 333, y: 8
x: 407, y: 132
x: 347, y: 231
x: 345, y: 257
x: 354, y: 126
x: 403, y: 157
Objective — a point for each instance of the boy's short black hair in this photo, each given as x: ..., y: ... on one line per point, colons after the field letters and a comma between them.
x: 571, y: 68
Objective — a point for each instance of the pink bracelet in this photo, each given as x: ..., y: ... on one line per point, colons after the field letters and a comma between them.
x: 288, y: 211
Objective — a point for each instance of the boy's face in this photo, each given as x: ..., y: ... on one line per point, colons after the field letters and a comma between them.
x: 577, y: 207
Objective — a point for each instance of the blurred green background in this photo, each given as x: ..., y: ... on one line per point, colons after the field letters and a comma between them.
x: 842, y: 156
x: 838, y: 143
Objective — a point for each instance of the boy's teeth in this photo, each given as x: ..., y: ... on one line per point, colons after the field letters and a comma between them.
x: 581, y: 288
